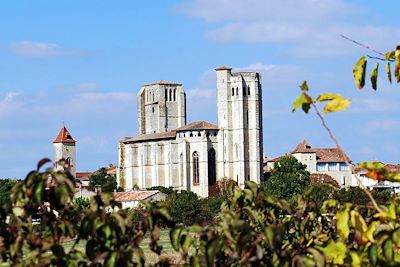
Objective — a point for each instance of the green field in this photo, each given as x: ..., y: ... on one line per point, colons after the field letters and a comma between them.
x: 151, y: 257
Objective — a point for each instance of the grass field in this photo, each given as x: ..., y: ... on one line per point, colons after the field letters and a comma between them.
x: 151, y: 257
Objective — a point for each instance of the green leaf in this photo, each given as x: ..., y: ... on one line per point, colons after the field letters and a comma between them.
x: 359, y: 72
x: 389, y: 55
x: 397, y: 64
x: 111, y: 259
x: 342, y: 221
x: 174, y: 235
x: 374, y: 76
x: 38, y: 192
x: 388, y: 72
x: 373, y: 254
x: 304, y: 101
x: 319, y: 258
x: 304, y: 86
x: 335, y: 252
x: 388, y: 250
x: 358, y: 221
x: 335, y: 102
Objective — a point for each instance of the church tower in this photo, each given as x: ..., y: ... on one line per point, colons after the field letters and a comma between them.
x: 239, y: 100
x: 64, y: 148
x: 161, y: 107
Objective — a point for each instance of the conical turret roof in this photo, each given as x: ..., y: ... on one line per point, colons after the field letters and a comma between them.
x: 64, y: 137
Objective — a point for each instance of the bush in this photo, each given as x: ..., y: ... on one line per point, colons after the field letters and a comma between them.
x: 108, y: 182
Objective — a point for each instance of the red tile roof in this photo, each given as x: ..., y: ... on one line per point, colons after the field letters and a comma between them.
x: 198, y: 125
x: 135, y: 195
x: 83, y: 175
x: 392, y: 168
x: 150, y: 137
x: 323, y: 154
x: 64, y: 137
x: 162, y: 82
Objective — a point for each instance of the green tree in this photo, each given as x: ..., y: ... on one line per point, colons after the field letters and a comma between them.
x: 107, y: 181
x: 5, y: 189
x: 289, y: 177
x: 185, y: 207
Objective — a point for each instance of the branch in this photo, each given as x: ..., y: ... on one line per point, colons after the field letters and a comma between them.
x: 343, y: 154
x: 362, y: 45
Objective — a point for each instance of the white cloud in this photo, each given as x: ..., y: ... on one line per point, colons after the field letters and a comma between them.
x: 9, y: 103
x: 310, y: 27
x: 38, y: 49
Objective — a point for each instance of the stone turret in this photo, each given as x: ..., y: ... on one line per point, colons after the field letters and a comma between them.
x: 65, y: 148
x: 161, y: 107
x: 240, y: 122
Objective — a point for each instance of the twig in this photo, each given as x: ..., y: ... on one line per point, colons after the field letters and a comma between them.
x: 379, y: 58
x: 363, y: 45
x: 343, y: 154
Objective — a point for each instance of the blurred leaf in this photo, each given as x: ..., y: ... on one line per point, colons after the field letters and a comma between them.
x: 304, y: 101
x: 42, y: 162
x: 389, y: 55
x: 174, y: 235
x: 388, y: 72
x: 342, y: 221
x: 373, y: 253
x: 388, y: 250
x: 304, y: 86
x: 374, y: 76
x: 359, y: 72
x: 335, y: 102
x: 335, y: 252
x: 397, y: 63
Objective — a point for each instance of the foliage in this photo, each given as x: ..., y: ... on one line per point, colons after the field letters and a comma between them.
x: 5, y: 188
x: 108, y: 182
x: 289, y: 177
x: 185, y: 207
x: 212, y: 205
x: 320, y: 193
x: 81, y: 203
x: 360, y: 68
x: 162, y: 189
x: 111, y: 237
x: 323, y: 178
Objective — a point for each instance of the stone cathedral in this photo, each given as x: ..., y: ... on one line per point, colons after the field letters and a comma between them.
x: 169, y: 152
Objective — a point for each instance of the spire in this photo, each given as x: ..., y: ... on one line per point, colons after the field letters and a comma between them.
x: 64, y: 136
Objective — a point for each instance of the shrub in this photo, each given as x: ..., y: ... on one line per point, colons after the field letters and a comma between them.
x: 186, y: 207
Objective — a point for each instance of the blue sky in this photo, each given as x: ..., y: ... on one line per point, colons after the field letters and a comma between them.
x: 82, y: 62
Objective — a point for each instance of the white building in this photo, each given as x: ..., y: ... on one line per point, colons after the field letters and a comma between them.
x: 328, y: 161
x: 168, y: 152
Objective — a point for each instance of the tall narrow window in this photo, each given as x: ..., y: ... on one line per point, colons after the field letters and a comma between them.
x: 170, y: 94
x: 174, y: 95
x: 166, y: 95
x: 247, y: 117
x: 237, y: 90
x: 196, y: 177
x: 233, y: 91
x: 248, y: 90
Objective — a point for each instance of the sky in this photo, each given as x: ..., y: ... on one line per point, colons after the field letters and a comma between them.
x: 81, y: 63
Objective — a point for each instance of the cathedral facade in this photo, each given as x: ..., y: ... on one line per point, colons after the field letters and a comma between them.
x: 169, y: 152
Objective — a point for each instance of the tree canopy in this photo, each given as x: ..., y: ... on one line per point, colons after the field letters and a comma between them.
x: 289, y: 177
x: 108, y: 182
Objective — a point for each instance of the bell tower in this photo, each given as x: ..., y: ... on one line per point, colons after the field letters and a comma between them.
x: 64, y: 148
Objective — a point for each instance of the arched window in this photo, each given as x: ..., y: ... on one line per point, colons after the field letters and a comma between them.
x: 233, y: 91
x: 170, y: 94
x: 174, y: 95
x: 196, y: 177
x: 248, y: 90
x: 166, y: 95
x: 237, y: 90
